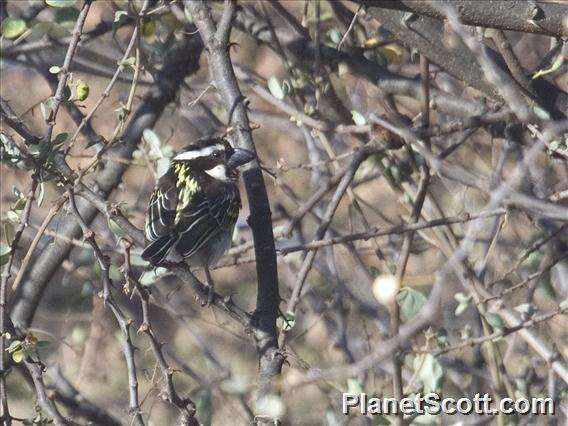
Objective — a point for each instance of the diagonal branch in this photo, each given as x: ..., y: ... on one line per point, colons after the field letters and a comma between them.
x: 515, y: 15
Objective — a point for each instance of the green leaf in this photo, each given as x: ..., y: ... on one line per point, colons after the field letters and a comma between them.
x: 563, y: 305
x: 115, y: 229
x: 46, y: 107
x: 128, y: 62
x: 358, y: 118
x: 429, y: 372
x: 114, y: 273
x: 527, y: 310
x: 270, y: 406
x: 14, y: 346
x: 354, y: 386
x: 276, y: 88
x: 13, y: 216
x: 204, y: 405
x: 149, y: 29
x: 541, y: 113
x: 13, y: 27
x: 556, y: 65
x: 154, y: 142
x: 334, y: 35
x: 61, y: 3
x: 119, y: 14
x: 460, y: 297
x: 66, y: 17
x: 5, y: 251
x: 410, y: 302
x: 9, y: 232
x: 463, y: 303
x: 18, y: 355
x: 495, y: 321
x: 81, y: 91
x: 60, y: 138
x: 286, y: 322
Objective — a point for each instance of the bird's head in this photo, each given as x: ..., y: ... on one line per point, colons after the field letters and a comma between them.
x: 216, y: 157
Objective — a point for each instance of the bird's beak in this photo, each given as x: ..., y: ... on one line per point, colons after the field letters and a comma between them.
x: 240, y: 157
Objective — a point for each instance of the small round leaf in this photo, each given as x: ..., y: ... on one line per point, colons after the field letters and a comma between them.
x: 13, y: 27
x: 61, y: 3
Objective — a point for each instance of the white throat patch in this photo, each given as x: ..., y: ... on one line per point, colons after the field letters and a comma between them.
x: 218, y: 172
x: 203, y: 152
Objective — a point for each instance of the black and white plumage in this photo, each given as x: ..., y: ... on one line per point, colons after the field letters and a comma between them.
x: 195, y: 205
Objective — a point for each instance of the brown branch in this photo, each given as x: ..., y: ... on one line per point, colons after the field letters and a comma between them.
x: 391, y: 230
x: 408, y: 237
x: 6, y: 274
x: 465, y: 177
x: 499, y: 333
x: 515, y: 15
x: 23, y: 266
x: 502, y: 82
x: 515, y: 67
x: 185, y: 405
x: 111, y: 83
x: 268, y: 298
x: 358, y: 158
x: 64, y: 71
x: 428, y: 35
x: 527, y: 280
x: 123, y: 322
x: 36, y: 371
x: 11, y: 119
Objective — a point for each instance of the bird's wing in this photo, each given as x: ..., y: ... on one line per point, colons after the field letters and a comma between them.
x: 181, y: 214
x: 161, y: 212
x: 206, y: 218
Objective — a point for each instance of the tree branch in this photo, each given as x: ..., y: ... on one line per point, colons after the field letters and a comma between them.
x: 268, y: 298
x: 515, y: 15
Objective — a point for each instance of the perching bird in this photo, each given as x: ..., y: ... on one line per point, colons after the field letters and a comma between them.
x: 194, y: 207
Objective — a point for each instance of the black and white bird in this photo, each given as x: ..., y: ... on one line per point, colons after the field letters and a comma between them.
x: 195, y: 205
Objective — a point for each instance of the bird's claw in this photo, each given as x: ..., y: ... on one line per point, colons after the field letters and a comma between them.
x: 210, y: 297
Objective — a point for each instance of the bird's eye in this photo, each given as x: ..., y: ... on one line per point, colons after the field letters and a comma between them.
x: 216, y: 154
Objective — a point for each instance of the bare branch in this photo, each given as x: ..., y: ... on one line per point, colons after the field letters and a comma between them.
x: 225, y: 81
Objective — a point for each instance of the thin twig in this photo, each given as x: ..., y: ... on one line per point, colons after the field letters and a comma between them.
x: 123, y: 322
x: 499, y: 333
x: 64, y: 71
x: 185, y: 405
x: 6, y: 274
x: 109, y: 86
x: 350, y: 171
x: 23, y: 266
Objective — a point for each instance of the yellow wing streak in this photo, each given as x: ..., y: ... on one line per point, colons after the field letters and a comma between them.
x: 188, y: 187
